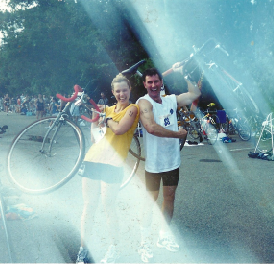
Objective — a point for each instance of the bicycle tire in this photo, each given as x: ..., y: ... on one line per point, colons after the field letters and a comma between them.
x: 39, y: 171
x: 132, y: 161
x: 265, y: 145
x: 5, y: 226
x: 194, y: 133
x: 216, y: 121
x: 244, y: 131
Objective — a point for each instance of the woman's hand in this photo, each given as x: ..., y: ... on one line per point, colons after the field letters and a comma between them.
x: 125, y: 123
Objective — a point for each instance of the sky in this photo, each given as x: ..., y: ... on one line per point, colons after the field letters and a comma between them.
x: 3, y: 4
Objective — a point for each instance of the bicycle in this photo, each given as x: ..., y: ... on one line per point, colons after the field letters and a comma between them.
x: 55, y: 148
x: 237, y: 124
x: 265, y: 141
x: 212, y: 116
x: 203, y: 127
x: 208, y: 127
x: 188, y: 121
x: 199, y: 65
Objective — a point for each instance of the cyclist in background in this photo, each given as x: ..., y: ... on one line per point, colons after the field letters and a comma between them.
x: 161, y: 139
x: 103, y: 173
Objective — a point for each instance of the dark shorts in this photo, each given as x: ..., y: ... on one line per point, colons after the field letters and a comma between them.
x: 153, y: 180
x: 103, y: 172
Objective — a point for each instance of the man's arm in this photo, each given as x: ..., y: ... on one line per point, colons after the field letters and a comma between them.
x: 147, y: 120
x: 190, y: 96
x: 193, y: 93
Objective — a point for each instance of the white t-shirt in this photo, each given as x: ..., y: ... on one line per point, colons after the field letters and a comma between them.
x: 162, y: 154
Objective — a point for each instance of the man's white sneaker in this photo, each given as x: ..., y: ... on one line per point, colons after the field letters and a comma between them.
x: 168, y: 243
x: 83, y: 256
x: 145, y: 252
x: 111, y: 256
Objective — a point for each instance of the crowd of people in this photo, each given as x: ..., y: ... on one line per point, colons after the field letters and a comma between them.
x: 37, y: 105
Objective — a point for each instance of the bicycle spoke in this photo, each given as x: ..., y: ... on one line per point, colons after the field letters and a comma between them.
x: 38, y: 164
x: 132, y: 161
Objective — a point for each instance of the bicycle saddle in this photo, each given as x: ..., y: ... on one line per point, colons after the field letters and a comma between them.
x: 133, y: 69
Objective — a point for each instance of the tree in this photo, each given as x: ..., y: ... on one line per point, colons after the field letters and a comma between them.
x: 51, y: 45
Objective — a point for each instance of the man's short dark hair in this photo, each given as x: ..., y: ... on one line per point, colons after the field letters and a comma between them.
x: 151, y: 72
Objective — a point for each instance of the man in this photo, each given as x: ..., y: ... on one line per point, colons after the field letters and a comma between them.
x: 161, y: 139
x: 103, y: 100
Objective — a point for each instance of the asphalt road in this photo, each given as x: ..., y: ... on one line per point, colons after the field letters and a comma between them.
x: 223, y: 212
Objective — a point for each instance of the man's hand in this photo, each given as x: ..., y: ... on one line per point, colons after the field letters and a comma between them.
x: 177, y: 68
x: 182, y: 133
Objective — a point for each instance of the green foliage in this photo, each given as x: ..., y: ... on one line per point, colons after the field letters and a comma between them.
x: 52, y: 45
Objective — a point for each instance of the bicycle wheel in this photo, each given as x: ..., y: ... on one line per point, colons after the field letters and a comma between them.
x: 194, y: 130
x: 215, y: 121
x: 264, y: 144
x: 266, y: 135
x: 211, y: 134
x: 244, y: 131
x: 132, y: 161
x: 5, y: 226
x: 41, y: 160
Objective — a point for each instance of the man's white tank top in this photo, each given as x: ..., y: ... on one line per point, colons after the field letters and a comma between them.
x: 162, y: 154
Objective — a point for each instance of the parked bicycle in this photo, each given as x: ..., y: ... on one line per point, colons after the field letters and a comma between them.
x: 237, y: 124
x: 202, y: 126
x: 265, y: 141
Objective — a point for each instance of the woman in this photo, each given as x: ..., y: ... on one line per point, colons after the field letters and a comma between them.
x: 104, y: 167
x: 40, y: 106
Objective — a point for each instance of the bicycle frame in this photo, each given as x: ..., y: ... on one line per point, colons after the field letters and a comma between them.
x: 59, y: 117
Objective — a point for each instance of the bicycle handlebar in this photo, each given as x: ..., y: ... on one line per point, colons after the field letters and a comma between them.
x: 97, y: 115
x: 77, y: 89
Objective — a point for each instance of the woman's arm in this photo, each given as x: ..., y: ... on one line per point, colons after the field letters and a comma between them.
x: 125, y: 123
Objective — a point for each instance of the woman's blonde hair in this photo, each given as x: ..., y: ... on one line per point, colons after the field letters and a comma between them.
x: 119, y: 78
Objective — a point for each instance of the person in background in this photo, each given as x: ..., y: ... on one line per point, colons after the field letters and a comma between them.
x: 54, y: 107
x: 161, y: 140
x: 18, y: 105
x: 40, y: 106
x: 75, y: 111
x: 103, y: 100
x: 103, y: 173
x: 62, y: 103
x: 6, y: 102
